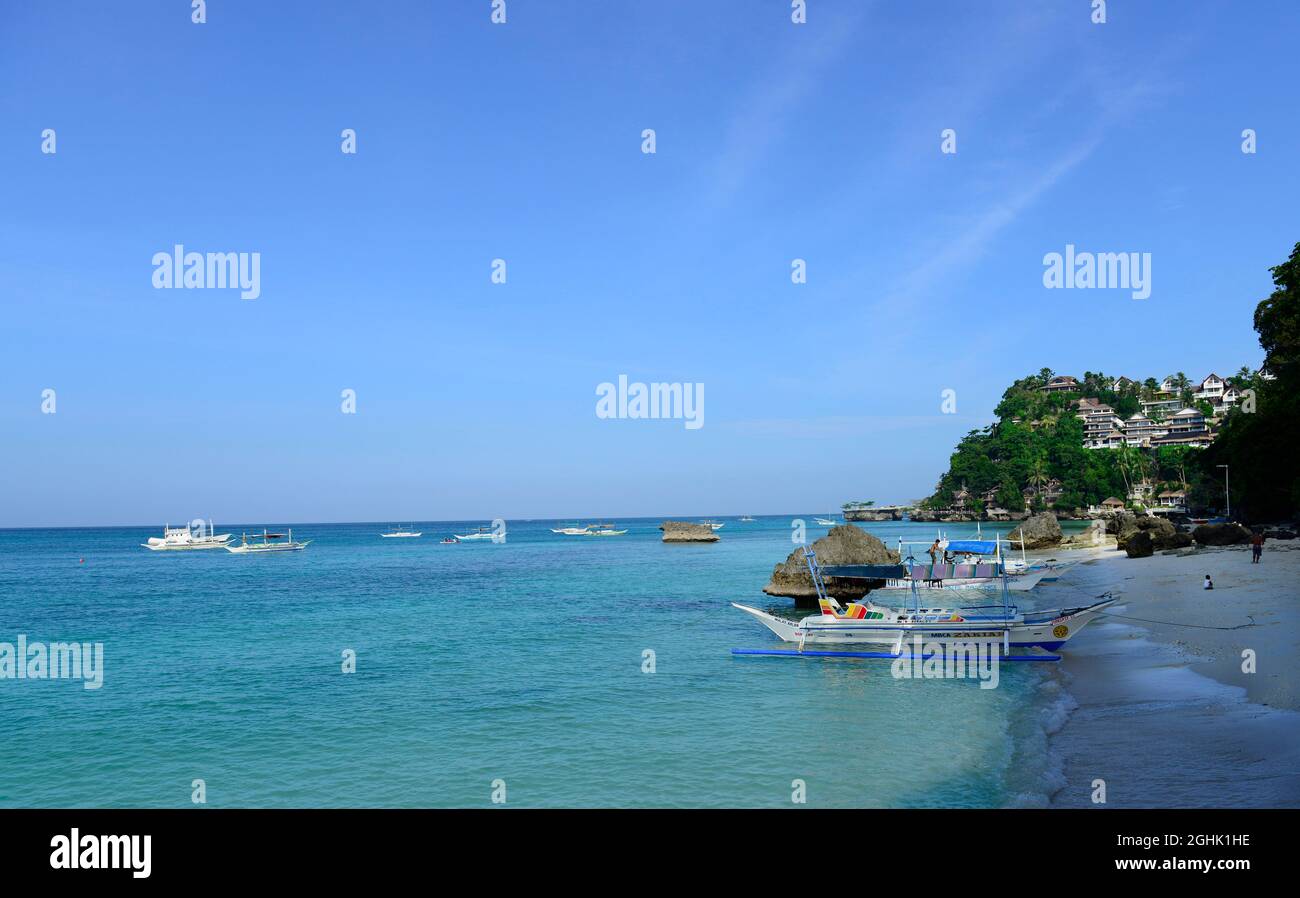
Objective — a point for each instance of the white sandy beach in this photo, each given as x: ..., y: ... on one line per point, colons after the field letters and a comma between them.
x: 1166, y: 715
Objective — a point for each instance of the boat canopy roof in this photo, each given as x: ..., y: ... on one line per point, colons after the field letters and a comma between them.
x: 974, y: 546
x: 864, y: 571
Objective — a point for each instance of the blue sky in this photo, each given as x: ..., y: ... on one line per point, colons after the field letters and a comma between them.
x: 523, y: 142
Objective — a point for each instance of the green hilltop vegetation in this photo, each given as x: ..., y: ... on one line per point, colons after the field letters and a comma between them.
x: 1033, y: 458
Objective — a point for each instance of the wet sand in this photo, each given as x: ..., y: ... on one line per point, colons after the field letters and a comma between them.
x: 1166, y: 715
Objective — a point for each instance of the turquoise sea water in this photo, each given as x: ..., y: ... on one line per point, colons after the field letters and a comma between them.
x: 477, y: 662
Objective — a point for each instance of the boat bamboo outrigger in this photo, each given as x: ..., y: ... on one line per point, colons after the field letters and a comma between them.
x: 572, y: 530
x: 268, y: 544
x: 866, y: 622
x: 477, y: 533
x: 604, y: 530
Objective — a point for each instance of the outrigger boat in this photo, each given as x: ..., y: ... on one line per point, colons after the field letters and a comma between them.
x: 479, y: 533
x: 183, y: 539
x: 826, y: 522
x: 604, y: 530
x: 714, y: 524
x: 266, y: 545
x: 572, y: 531
x: 746, y: 520
x: 402, y: 534
x: 865, y: 622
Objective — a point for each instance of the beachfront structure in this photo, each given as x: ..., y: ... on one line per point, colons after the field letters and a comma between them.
x: 1174, y: 500
x: 1107, y: 506
x: 1050, y: 492
x: 1062, y: 383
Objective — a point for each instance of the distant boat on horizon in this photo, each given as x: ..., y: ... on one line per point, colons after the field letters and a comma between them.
x: 574, y: 530
x: 402, y: 534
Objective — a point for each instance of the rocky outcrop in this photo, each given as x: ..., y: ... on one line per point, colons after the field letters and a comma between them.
x: 1090, y: 537
x: 1160, y: 533
x: 1117, y: 521
x: 1139, y: 544
x: 687, y: 532
x: 845, y: 544
x: 1040, y: 531
x: 1221, y: 535
x: 875, y: 513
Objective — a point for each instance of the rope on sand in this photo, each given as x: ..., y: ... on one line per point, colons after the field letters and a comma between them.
x: 1167, y: 623
x: 1170, y: 623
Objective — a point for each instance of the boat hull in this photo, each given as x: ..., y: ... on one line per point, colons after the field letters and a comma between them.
x: 1046, y: 630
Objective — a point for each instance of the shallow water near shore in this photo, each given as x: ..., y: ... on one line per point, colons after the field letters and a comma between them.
x: 478, y: 662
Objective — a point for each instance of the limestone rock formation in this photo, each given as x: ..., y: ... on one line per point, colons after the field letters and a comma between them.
x: 844, y: 544
x: 1221, y: 535
x: 687, y: 532
x: 1139, y: 544
x: 1040, y: 531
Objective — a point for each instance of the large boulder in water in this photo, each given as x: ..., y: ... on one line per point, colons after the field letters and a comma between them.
x: 687, y: 532
x: 1221, y: 535
x: 1038, y: 532
x: 845, y: 544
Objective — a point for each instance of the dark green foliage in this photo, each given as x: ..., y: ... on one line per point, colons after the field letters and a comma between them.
x: 1260, y: 445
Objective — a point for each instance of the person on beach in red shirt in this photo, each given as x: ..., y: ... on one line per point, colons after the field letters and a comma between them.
x: 1256, y: 546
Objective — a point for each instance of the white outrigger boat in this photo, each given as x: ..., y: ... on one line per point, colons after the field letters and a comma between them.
x: 267, y: 544
x: 478, y: 533
x: 826, y: 522
x: 714, y: 524
x: 572, y: 531
x: 865, y: 622
x: 184, y: 539
x: 604, y: 530
x: 402, y: 534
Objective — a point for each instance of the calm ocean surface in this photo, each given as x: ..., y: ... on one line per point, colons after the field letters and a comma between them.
x: 477, y: 662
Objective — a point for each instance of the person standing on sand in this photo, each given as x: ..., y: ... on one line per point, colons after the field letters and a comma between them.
x: 1256, y: 546
x: 1209, y: 584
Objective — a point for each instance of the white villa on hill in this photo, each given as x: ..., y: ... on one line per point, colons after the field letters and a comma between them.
x: 1165, y: 420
